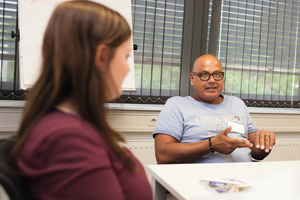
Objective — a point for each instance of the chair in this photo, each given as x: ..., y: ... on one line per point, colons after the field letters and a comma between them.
x: 9, y: 179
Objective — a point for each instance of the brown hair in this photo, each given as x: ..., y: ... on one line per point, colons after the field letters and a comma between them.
x: 74, y: 31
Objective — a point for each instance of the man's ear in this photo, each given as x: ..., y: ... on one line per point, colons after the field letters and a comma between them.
x: 102, y: 57
x: 192, y: 78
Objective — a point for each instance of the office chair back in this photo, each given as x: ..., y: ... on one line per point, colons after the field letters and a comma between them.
x: 9, y: 179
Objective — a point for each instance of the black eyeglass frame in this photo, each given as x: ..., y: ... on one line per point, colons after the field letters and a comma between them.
x: 213, y: 75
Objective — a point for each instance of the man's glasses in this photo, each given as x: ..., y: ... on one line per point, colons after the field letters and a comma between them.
x: 206, y: 76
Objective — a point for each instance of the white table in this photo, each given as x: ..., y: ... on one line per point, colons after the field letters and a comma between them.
x: 268, y: 180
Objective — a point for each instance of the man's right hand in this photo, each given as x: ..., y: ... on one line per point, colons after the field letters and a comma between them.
x: 225, y: 144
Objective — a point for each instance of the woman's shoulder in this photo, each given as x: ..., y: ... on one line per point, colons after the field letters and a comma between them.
x: 57, y: 125
x: 60, y: 135
x: 59, y: 120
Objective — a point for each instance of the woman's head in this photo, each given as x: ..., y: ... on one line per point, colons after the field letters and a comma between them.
x: 85, y: 52
x: 80, y: 41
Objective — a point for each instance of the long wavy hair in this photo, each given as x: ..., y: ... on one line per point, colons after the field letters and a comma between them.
x: 73, y: 33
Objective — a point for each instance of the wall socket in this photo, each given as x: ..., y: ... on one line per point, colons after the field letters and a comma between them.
x: 152, y: 121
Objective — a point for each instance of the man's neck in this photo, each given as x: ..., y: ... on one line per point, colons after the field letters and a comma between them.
x: 218, y: 100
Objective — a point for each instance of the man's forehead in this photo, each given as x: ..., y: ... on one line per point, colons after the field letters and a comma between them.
x: 208, y: 66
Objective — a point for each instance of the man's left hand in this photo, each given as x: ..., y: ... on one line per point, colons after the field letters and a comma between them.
x: 263, y: 139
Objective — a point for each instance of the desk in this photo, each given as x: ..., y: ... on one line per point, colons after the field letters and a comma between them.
x: 268, y: 180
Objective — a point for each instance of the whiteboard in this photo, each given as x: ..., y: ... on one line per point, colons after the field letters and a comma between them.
x: 33, y: 19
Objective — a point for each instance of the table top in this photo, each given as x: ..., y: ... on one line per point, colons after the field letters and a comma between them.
x: 267, y: 180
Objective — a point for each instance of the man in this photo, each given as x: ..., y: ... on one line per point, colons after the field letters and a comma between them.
x: 208, y: 127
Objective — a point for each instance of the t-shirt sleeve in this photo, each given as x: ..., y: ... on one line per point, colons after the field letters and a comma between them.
x: 250, y: 124
x: 170, y: 120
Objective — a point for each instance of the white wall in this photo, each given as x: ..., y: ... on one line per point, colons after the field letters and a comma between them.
x: 134, y: 120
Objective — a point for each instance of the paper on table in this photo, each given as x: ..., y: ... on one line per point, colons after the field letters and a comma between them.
x: 224, y: 185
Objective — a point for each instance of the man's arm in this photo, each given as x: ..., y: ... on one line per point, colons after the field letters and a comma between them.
x: 170, y: 150
x: 263, y: 142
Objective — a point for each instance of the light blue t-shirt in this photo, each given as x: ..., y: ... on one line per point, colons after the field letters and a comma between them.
x: 189, y: 120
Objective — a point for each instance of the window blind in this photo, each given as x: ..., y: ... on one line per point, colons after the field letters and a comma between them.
x: 259, y: 48
x: 8, y: 75
x: 157, y: 30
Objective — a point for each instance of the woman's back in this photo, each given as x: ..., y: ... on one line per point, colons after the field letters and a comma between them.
x: 66, y: 158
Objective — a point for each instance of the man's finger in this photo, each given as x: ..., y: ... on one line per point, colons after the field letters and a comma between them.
x: 262, y: 141
x: 256, y: 140
x: 241, y: 142
x: 227, y: 130
x: 267, y: 143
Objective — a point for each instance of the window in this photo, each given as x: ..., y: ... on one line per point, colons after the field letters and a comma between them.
x: 170, y: 34
x: 157, y: 30
x: 256, y: 41
x: 8, y: 76
x: 259, y: 48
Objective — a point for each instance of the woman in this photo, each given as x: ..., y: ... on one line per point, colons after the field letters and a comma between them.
x: 65, y: 148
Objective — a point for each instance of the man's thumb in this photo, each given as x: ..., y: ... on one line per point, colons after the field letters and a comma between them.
x: 227, y: 130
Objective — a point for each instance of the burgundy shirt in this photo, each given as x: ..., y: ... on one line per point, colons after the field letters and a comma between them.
x: 64, y: 158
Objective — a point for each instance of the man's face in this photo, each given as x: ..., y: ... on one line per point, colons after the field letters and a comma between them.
x: 207, y: 91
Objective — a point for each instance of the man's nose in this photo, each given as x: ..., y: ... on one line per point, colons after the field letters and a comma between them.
x: 211, y: 79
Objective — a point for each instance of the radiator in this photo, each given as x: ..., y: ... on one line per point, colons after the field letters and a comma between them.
x: 143, y: 150
x: 285, y: 150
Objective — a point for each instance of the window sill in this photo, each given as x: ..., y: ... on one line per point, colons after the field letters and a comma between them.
x: 157, y: 107
x: 12, y: 104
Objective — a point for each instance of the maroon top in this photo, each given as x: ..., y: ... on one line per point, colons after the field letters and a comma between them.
x: 64, y: 158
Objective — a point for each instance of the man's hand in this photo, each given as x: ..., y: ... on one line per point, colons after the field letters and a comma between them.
x: 224, y: 144
x: 263, y: 140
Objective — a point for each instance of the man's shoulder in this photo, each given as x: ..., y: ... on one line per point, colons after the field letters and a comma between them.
x: 176, y: 99
x: 232, y: 98
x: 177, y: 102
